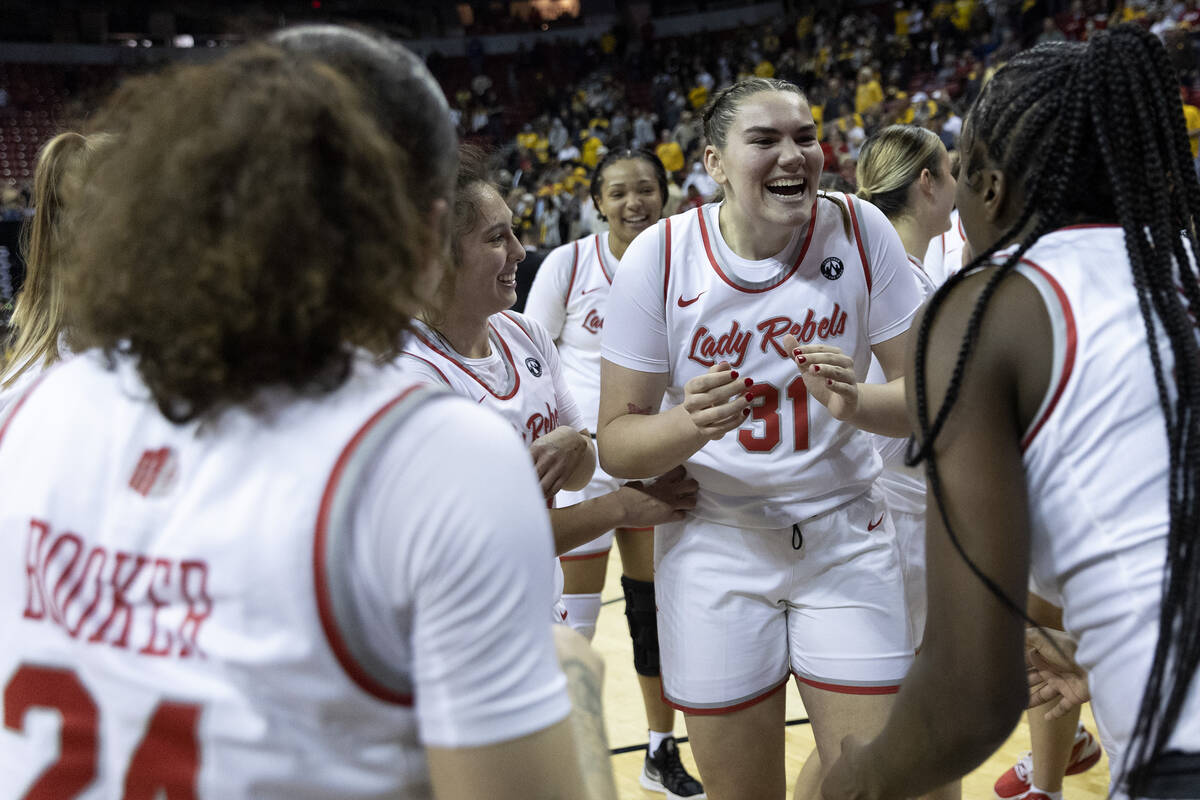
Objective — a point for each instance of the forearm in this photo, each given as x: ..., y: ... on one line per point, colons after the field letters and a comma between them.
x: 584, y: 686
x: 635, y: 446
x: 882, y: 409
x: 585, y: 467
x: 579, y: 524
x: 944, y: 725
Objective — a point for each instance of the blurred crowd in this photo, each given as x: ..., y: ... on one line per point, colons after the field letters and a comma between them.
x: 552, y: 112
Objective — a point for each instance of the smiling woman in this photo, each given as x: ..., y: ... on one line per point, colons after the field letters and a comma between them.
x: 508, y: 362
x: 788, y: 562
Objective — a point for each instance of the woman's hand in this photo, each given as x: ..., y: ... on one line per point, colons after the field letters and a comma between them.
x: 1053, y: 673
x: 828, y: 376
x: 556, y: 455
x: 665, y: 499
x: 716, y: 402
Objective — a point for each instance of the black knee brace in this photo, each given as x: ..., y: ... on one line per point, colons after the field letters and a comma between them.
x: 642, y: 616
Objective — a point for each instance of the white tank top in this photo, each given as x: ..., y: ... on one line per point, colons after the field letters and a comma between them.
x: 683, y: 302
x: 1096, y: 466
x: 201, y: 610
x: 569, y: 297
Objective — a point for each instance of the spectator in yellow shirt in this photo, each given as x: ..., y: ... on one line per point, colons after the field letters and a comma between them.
x: 869, y: 93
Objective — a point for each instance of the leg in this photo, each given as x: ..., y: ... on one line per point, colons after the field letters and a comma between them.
x: 723, y: 635
x: 584, y: 569
x: 637, y: 564
x: 740, y: 754
x: 1059, y: 747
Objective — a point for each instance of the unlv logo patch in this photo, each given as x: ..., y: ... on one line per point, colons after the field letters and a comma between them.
x: 534, y: 366
x: 155, y: 472
x: 832, y: 268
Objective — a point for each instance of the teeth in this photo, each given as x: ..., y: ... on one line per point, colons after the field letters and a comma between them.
x: 783, y: 182
x: 635, y: 220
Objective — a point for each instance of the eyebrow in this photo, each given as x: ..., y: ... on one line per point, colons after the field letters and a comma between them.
x: 766, y: 129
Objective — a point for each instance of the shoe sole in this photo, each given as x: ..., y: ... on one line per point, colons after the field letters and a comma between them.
x: 654, y: 786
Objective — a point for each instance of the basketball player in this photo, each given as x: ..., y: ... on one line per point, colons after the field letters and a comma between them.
x: 569, y: 297
x: 39, y: 318
x: 788, y: 562
x: 1053, y: 391
x: 243, y: 559
x: 508, y: 362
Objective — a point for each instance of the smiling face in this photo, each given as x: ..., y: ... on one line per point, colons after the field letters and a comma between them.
x: 629, y: 198
x: 488, y: 256
x: 770, y: 165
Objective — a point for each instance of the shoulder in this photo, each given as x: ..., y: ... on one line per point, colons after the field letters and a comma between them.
x: 563, y: 257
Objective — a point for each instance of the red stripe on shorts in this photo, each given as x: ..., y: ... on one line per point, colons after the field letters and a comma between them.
x: 840, y: 689
x: 753, y: 701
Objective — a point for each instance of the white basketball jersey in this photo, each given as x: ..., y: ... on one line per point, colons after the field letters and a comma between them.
x: 790, y: 460
x: 176, y: 621
x: 569, y: 296
x: 522, y: 379
x: 903, y: 486
x: 1096, y: 466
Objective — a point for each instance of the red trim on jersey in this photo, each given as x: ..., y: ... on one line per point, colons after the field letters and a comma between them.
x: 507, y: 354
x: 508, y: 315
x: 585, y: 556
x: 916, y: 263
x: 574, y: 264
x: 843, y: 689
x: 961, y: 232
x: 706, y: 712
x: 430, y: 363
x: 600, y: 258
x: 20, y: 402
x: 1084, y: 225
x: 1068, y: 359
x: 320, y: 572
x: 666, y: 257
x: 858, y: 240
x: 712, y: 259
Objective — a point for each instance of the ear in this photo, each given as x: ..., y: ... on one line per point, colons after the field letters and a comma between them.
x: 925, y: 181
x: 712, y: 163
x: 996, y: 196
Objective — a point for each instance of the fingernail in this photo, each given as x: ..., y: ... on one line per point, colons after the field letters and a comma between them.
x: 733, y: 374
x: 816, y: 367
x: 797, y: 351
x: 749, y: 382
x: 800, y: 359
x: 745, y: 412
x: 829, y: 381
x: 749, y: 396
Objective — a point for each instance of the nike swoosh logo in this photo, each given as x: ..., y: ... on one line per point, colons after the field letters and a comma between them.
x: 589, y: 291
x: 685, y: 303
x: 873, y: 525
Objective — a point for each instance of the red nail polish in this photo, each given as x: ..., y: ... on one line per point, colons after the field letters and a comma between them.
x: 829, y: 381
x: 797, y: 352
x: 749, y: 396
x: 733, y: 374
x: 745, y: 412
x: 749, y: 382
x: 816, y: 367
x: 800, y: 359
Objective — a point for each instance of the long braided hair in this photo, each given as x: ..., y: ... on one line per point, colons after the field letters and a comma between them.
x: 1096, y: 132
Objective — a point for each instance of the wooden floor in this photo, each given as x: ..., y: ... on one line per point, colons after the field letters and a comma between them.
x: 627, y: 723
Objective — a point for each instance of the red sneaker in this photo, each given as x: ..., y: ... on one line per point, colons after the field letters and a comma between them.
x: 1016, y: 783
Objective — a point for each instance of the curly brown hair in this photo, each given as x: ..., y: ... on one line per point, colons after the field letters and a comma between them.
x: 252, y: 229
